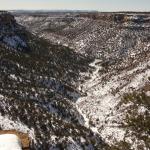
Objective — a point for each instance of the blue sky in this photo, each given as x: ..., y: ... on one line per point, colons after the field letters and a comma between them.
x: 101, y: 5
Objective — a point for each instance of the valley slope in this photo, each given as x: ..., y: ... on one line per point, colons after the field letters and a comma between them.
x: 78, y: 79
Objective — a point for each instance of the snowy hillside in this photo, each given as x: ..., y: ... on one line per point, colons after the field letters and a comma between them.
x: 77, y: 81
x: 38, y: 94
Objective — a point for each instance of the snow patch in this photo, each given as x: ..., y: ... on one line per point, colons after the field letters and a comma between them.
x: 13, y: 76
x: 10, y: 142
x: 148, y: 93
x: 142, y: 110
x: 7, y: 124
x: 113, y: 134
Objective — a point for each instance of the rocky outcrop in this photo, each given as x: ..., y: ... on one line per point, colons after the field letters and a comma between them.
x: 6, y: 18
x: 23, y: 137
x: 12, y: 35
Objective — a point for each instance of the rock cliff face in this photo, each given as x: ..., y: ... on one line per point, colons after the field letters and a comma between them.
x: 12, y: 35
x: 6, y: 18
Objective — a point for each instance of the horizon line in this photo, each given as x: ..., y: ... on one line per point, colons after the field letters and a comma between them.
x: 82, y: 10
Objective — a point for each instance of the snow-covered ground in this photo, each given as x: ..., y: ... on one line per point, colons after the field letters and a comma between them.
x: 99, y: 107
x: 115, y: 44
x: 10, y: 142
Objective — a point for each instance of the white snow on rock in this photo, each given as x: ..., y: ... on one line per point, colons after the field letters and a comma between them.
x: 1, y: 96
x: 13, y: 76
x: 10, y: 142
x: 148, y: 93
x: 7, y: 124
x: 112, y: 133
x: 142, y: 110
